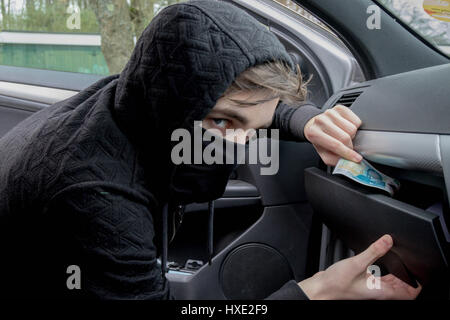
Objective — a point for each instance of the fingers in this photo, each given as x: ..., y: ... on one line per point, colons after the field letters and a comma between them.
x: 375, y: 251
x: 393, y: 288
x: 333, y: 132
x: 322, y: 139
x: 331, y: 129
x: 342, y: 122
x: 414, y: 292
x: 348, y: 114
x: 328, y: 157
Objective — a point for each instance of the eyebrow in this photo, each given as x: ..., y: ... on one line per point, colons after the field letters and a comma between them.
x: 243, y: 103
x: 235, y: 115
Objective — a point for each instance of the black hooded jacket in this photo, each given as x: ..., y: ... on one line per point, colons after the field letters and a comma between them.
x: 83, y: 182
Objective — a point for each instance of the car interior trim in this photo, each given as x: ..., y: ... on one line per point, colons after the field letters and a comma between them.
x: 38, y: 94
x: 413, y: 151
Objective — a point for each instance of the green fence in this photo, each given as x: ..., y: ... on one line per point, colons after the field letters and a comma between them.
x: 70, y: 58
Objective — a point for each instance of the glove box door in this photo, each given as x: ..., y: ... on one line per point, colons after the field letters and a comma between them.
x: 359, y: 216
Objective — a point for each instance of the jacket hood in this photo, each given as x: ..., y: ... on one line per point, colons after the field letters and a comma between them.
x: 185, y: 60
x: 182, y: 64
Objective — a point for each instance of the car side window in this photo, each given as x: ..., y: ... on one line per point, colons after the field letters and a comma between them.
x: 83, y: 36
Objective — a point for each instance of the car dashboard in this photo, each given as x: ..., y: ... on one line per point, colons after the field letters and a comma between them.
x: 405, y: 133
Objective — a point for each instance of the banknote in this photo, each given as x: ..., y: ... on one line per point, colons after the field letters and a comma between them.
x: 364, y: 173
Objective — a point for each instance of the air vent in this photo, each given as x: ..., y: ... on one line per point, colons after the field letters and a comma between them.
x: 348, y: 98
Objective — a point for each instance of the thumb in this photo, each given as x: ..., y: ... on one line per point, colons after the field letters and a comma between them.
x: 375, y: 251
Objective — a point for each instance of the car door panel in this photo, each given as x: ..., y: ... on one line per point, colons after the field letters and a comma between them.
x: 247, y: 275
x: 10, y: 117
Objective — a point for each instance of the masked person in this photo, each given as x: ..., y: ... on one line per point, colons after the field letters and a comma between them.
x: 88, y: 183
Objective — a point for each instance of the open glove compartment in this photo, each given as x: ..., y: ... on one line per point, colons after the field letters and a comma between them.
x: 360, y: 216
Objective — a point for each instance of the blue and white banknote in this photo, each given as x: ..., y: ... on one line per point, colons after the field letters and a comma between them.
x: 364, y: 173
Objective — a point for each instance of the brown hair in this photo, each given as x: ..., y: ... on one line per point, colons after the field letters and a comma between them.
x: 276, y: 79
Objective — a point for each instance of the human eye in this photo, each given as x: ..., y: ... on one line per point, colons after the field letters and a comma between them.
x: 221, y: 123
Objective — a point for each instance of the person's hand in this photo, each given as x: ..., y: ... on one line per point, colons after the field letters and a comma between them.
x: 332, y: 133
x: 347, y: 279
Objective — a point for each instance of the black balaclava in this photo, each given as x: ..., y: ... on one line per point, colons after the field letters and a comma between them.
x: 200, y: 182
x: 203, y: 182
x: 182, y: 64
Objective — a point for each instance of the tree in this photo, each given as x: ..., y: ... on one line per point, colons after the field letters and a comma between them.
x: 116, y: 29
x: 121, y: 23
x: 141, y: 13
x: 3, y: 11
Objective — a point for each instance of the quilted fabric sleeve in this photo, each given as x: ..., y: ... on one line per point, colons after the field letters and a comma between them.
x: 292, y: 120
x: 290, y: 291
x: 109, y: 234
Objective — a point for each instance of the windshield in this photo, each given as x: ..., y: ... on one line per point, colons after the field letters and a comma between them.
x: 429, y: 18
